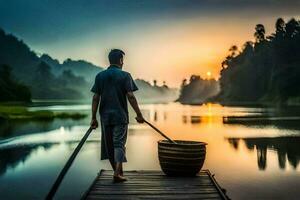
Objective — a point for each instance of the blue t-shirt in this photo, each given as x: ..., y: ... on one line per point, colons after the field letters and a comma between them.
x: 112, y: 85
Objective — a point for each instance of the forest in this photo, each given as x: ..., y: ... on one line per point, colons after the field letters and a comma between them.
x: 266, y: 70
x: 10, y: 89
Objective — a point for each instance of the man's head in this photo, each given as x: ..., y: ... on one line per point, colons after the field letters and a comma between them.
x: 115, y: 57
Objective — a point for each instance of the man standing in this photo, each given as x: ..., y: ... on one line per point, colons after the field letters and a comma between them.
x: 112, y: 88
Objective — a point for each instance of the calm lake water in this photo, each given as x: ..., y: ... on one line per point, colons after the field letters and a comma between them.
x: 253, y: 152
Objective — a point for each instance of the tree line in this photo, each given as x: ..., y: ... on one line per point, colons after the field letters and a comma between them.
x: 264, y: 70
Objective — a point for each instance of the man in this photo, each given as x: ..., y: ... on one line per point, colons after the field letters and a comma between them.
x: 111, y: 88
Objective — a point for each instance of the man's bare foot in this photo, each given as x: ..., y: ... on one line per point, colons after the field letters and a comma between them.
x: 119, y: 179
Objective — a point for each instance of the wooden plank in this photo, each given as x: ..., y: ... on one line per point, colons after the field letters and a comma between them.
x: 160, y: 190
x: 146, y: 172
x: 154, y: 185
x: 115, y: 197
x: 156, y: 189
x: 144, y: 197
x: 157, y: 182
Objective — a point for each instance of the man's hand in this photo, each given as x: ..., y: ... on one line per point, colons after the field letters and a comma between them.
x: 95, y: 103
x: 140, y: 119
x: 94, y: 123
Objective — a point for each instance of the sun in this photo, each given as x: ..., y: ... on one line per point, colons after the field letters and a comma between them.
x: 208, y: 74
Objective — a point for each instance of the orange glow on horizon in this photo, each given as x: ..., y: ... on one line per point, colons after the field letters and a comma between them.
x: 170, y: 50
x: 173, y: 54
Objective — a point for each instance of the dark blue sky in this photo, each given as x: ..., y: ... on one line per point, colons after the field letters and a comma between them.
x: 174, y: 28
x: 47, y: 20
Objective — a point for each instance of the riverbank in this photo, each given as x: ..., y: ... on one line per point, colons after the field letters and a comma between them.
x: 19, y: 112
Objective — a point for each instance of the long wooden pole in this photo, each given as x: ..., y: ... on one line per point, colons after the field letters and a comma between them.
x: 161, y: 133
x: 68, y: 164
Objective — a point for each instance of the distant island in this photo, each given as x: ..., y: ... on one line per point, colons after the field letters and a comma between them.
x: 198, y: 90
x: 154, y: 93
x: 25, y: 76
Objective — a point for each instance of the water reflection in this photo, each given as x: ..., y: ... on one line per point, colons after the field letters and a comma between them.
x: 287, y: 148
x: 12, y: 157
x: 251, y: 164
x: 281, y: 122
x: 195, y: 119
x: 15, y: 128
x: 163, y: 115
x: 184, y: 119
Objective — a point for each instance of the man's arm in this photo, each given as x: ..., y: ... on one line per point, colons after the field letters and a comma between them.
x: 133, y: 102
x: 95, y: 103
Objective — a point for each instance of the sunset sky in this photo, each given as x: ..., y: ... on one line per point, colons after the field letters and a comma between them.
x: 167, y: 40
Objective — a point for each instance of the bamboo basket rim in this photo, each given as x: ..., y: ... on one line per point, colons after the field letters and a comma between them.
x: 193, y: 143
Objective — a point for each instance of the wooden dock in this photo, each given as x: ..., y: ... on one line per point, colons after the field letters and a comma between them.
x: 155, y: 185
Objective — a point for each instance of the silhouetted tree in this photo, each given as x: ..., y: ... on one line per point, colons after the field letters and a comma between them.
x: 233, y: 49
x: 292, y: 28
x: 259, y: 33
x: 280, y: 27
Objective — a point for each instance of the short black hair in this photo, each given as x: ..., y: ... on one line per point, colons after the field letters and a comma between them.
x: 115, y: 55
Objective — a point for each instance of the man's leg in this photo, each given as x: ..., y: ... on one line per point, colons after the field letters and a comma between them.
x: 113, y: 164
x: 110, y: 148
x: 109, y: 145
x: 118, y: 170
x: 119, y: 140
x: 121, y: 173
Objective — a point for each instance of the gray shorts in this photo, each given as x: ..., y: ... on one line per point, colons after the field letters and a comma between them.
x: 113, y: 140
